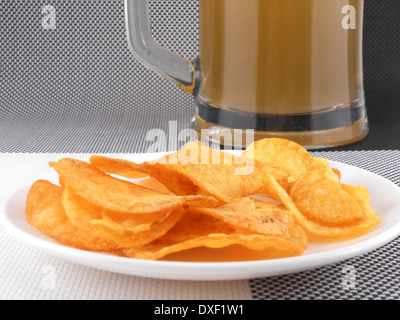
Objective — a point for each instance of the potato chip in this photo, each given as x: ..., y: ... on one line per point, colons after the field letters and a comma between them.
x: 248, y: 216
x: 198, y: 169
x: 123, y: 227
x: 120, y: 167
x: 361, y: 195
x: 196, y: 230
x: 45, y: 212
x: 358, y: 193
x: 289, y: 155
x: 127, y: 223
x: 118, y: 195
x: 133, y: 219
x: 182, y: 171
x: 89, y: 218
x: 319, y: 196
x: 338, y: 173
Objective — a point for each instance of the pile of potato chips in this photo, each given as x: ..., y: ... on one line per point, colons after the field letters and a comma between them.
x: 271, y: 199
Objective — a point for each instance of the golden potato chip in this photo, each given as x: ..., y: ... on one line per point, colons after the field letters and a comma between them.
x: 338, y: 173
x: 126, y: 223
x: 118, y: 195
x: 120, y: 167
x: 358, y: 193
x: 89, y: 218
x: 361, y: 195
x: 133, y: 219
x: 289, y: 155
x: 248, y: 216
x: 198, y: 169
x: 319, y: 196
x: 198, y: 230
x: 45, y: 212
x: 123, y: 227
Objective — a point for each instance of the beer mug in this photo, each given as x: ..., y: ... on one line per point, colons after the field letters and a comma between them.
x: 278, y: 68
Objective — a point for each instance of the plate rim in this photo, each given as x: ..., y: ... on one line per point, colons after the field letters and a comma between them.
x: 231, y: 270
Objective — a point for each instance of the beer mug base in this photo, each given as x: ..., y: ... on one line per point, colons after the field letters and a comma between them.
x: 331, y: 127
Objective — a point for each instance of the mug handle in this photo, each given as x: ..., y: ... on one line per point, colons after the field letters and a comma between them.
x: 180, y: 71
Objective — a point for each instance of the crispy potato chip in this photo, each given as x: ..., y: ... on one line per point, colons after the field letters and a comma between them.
x: 126, y: 223
x: 338, y: 173
x: 45, y: 212
x: 254, y: 217
x: 118, y: 195
x: 120, y: 167
x: 289, y: 155
x: 89, y: 218
x: 197, y: 230
x: 133, y: 219
x: 198, y: 169
x: 180, y: 171
x: 360, y: 194
x: 319, y: 196
x: 123, y: 227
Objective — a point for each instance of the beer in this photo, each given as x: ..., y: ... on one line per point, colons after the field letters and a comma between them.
x: 268, y: 68
x: 280, y: 57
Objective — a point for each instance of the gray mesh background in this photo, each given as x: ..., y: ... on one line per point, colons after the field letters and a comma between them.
x: 78, y: 89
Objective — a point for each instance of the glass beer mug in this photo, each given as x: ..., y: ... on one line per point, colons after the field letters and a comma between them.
x: 283, y: 68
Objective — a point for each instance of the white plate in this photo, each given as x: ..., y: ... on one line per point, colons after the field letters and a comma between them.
x: 385, y: 200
